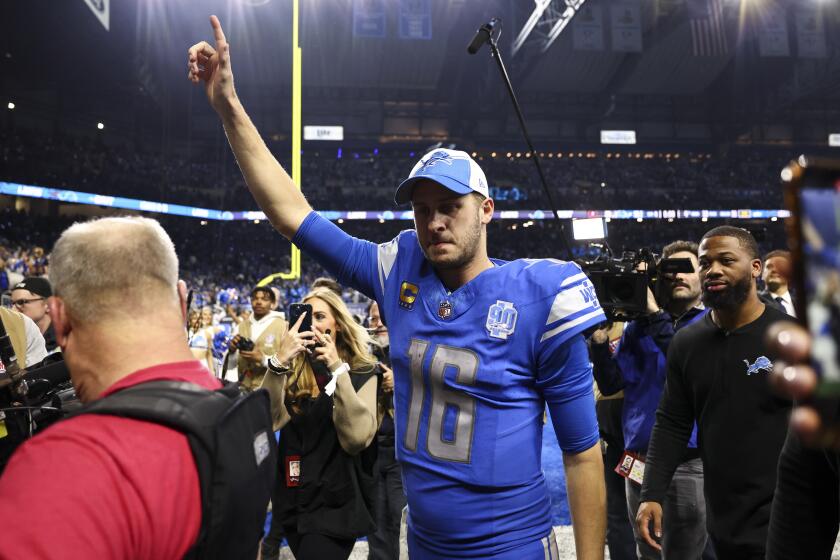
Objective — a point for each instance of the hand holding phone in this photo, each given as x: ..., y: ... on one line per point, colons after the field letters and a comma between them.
x: 812, y: 192
x: 295, y: 312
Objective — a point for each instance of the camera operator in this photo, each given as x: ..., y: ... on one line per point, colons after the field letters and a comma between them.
x: 717, y: 371
x: 30, y: 350
x: 105, y: 485
x: 638, y: 367
x: 256, y: 338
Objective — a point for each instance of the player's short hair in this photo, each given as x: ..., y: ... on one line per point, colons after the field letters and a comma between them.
x: 777, y: 253
x: 114, y: 267
x: 679, y: 246
x: 745, y: 239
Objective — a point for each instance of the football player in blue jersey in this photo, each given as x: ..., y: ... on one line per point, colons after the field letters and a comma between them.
x: 479, y: 348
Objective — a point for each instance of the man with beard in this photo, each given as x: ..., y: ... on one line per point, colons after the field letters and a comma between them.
x: 638, y: 367
x: 479, y: 348
x: 717, y: 372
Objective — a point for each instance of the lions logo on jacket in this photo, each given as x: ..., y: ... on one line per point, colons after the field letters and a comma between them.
x: 761, y: 363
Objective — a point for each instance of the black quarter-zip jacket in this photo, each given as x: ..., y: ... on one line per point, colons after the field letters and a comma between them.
x: 720, y: 379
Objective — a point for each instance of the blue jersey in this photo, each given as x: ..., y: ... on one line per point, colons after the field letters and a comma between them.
x: 473, y: 370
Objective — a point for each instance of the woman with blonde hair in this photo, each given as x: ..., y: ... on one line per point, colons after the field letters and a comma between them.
x: 323, y: 385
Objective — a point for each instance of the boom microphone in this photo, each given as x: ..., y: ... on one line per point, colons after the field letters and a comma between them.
x: 483, y: 35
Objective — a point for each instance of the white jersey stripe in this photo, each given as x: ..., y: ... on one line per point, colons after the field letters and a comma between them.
x: 573, y: 279
x: 570, y: 324
x: 386, y: 254
x: 566, y: 303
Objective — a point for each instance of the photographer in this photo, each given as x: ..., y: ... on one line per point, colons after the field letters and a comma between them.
x: 105, y: 485
x: 323, y: 386
x: 256, y: 338
x: 638, y: 367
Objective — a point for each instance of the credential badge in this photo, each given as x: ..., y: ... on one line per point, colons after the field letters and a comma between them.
x: 501, y: 319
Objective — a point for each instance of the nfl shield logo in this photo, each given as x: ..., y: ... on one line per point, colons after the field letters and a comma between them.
x: 501, y: 319
x: 444, y: 310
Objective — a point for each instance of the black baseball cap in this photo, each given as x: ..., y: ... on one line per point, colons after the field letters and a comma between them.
x: 35, y: 284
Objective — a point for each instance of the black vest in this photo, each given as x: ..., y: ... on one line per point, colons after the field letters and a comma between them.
x: 230, y: 436
x: 336, y: 491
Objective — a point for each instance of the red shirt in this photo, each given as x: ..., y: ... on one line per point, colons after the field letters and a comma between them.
x: 99, y: 486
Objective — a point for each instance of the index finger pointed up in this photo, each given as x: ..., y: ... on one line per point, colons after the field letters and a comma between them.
x: 217, y: 31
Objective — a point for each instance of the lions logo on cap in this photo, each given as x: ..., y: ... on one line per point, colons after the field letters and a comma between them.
x: 438, y: 157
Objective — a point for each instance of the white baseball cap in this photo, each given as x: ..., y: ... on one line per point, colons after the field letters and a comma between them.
x: 452, y: 169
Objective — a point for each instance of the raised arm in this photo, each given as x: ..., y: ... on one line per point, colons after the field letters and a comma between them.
x: 273, y: 189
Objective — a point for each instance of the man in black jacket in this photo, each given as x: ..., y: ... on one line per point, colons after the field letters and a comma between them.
x: 717, y: 372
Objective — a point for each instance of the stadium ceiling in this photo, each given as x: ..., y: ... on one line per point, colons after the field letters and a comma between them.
x: 394, y: 73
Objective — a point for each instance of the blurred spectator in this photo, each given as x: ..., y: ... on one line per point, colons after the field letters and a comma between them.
x: 384, y: 544
x: 30, y: 298
x: 776, y: 275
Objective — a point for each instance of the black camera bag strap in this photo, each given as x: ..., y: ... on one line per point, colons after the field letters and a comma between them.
x: 235, y: 453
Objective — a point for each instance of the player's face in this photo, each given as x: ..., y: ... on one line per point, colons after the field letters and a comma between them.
x: 776, y: 271
x: 685, y: 286
x: 727, y: 272
x: 322, y: 316
x: 448, y: 225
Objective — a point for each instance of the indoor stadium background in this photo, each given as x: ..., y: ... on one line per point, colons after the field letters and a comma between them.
x: 664, y: 117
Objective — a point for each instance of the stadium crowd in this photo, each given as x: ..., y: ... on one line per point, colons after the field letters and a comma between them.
x: 590, y: 179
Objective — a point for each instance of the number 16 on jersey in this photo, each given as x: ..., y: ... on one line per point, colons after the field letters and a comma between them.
x: 458, y: 446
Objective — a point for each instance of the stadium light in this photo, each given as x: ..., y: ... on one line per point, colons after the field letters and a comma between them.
x: 10, y: 106
x: 100, y: 126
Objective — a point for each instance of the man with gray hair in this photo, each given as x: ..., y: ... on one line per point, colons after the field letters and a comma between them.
x: 104, y: 486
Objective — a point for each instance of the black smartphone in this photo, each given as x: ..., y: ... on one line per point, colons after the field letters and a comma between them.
x: 812, y: 193
x: 298, y: 309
